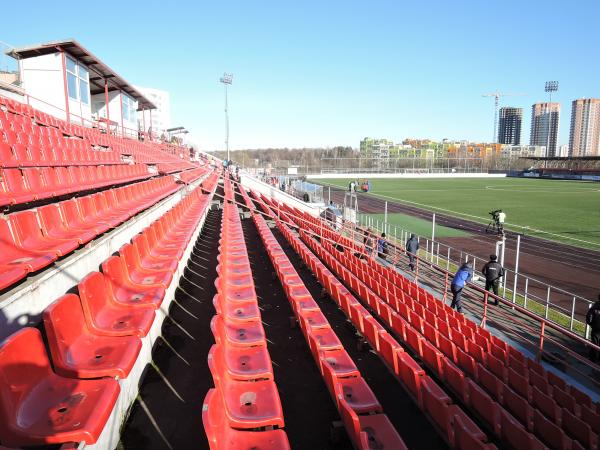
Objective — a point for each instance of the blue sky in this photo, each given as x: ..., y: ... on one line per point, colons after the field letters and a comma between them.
x: 325, y: 73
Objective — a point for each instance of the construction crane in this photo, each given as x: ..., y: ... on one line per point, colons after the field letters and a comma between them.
x: 497, y: 96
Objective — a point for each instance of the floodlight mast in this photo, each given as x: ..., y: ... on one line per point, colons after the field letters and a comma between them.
x: 550, y: 87
x: 226, y: 79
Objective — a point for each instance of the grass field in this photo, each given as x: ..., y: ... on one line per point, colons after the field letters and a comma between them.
x: 566, y: 211
x: 420, y: 226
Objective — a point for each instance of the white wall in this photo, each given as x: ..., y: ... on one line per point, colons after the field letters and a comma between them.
x: 404, y: 175
x: 43, y: 79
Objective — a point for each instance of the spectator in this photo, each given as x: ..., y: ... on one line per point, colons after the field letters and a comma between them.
x: 493, y: 271
x: 462, y: 276
x: 368, y: 242
x: 412, y: 248
x: 382, y: 247
x: 592, y: 318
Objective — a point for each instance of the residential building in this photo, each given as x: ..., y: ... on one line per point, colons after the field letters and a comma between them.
x: 584, y: 139
x: 377, y: 148
x: 563, y: 151
x: 160, y: 118
x: 544, y: 126
x: 509, y: 125
x: 518, y: 151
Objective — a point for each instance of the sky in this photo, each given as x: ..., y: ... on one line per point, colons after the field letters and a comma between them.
x: 326, y: 73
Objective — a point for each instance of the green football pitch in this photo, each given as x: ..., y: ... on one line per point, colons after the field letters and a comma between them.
x: 566, y: 211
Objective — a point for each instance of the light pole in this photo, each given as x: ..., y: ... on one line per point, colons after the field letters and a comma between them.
x: 550, y: 87
x: 226, y: 79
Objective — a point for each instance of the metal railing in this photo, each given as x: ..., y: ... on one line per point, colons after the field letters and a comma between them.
x: 558, y: 305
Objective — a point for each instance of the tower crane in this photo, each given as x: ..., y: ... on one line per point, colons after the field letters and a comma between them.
x: 497, y: 96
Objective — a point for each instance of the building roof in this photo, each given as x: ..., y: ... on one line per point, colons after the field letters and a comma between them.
x: 99, y: 70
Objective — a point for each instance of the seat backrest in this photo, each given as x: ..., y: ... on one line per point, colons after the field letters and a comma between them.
x: 87, y: 206
x: 23, y: 365
x: 25, y: 226
x: 350, y: 419
x: 71, y: 212
x: 93, y: 295
x: 7, y: 157
x: 64, y: 320
x: 14, y: 181
x: 50, y: 218
x: 115, y: 268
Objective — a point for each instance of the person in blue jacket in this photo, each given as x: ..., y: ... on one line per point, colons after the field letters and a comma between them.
x: 462, y: 276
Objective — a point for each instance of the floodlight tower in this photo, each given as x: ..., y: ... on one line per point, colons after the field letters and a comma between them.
x: 226, y: 79
x: 550, y: 87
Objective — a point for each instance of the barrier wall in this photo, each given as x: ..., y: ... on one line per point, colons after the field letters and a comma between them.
x: 405, y: 175
x: 274, y: 193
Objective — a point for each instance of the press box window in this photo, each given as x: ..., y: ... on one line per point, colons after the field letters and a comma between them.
x: 77, y: 81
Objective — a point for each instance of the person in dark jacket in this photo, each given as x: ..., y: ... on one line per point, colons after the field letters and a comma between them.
x: 493, y: 271
x: 368, y: 242
x: 462, y: 276
x: 382, y: 247
x: 592, y: 318
x: 412, y: 247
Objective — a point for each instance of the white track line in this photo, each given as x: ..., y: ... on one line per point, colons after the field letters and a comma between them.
x: 484, y: 219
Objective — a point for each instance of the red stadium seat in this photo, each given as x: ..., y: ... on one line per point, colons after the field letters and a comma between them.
x: 106, y: 317
x: 53, y: 225
x: 16, y: 187
x: 14, y: 255
x: 513, y: 433
x: 389, y: 348
x: 339, y: 362
x: 411, y: 374
x: 221, y: 436
x: 244, y: 311
x: 455, y: 379
x: 242, y: 363
x: 28, y: 234
x: 549, y: 433
x: 242, y: 334
x: 370, y: 431
x: 578, y: 429
x: 78, y: 353
x: 466, y: 439
x: 75, y: 219
x: 134, y: 271
x: 518, y: 407
x: 354, y: 390
x: 39, y: 407
x: 485, y: 407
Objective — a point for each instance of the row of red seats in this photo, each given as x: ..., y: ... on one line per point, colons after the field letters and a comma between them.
x: 30, y: 184
x: 447, y: 416
x: 457, y: 428
x: 41, y: 118
x: 245, y: 398
x: 33, y: 155
x: 392, y: 282
x: 94, y: 338
x: 462, y: 356
x: 143, y: 152
x: 31, y: 240
x: 189, y: 176
x: 454, y: 425
x: 362, y: 414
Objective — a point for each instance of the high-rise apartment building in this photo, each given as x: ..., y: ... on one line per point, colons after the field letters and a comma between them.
x: 509, y: 125
x: 544, y: 126
x: 161, y: 116
x: 584, y: 139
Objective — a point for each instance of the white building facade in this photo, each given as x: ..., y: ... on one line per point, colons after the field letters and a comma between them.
x: 160, y: 119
